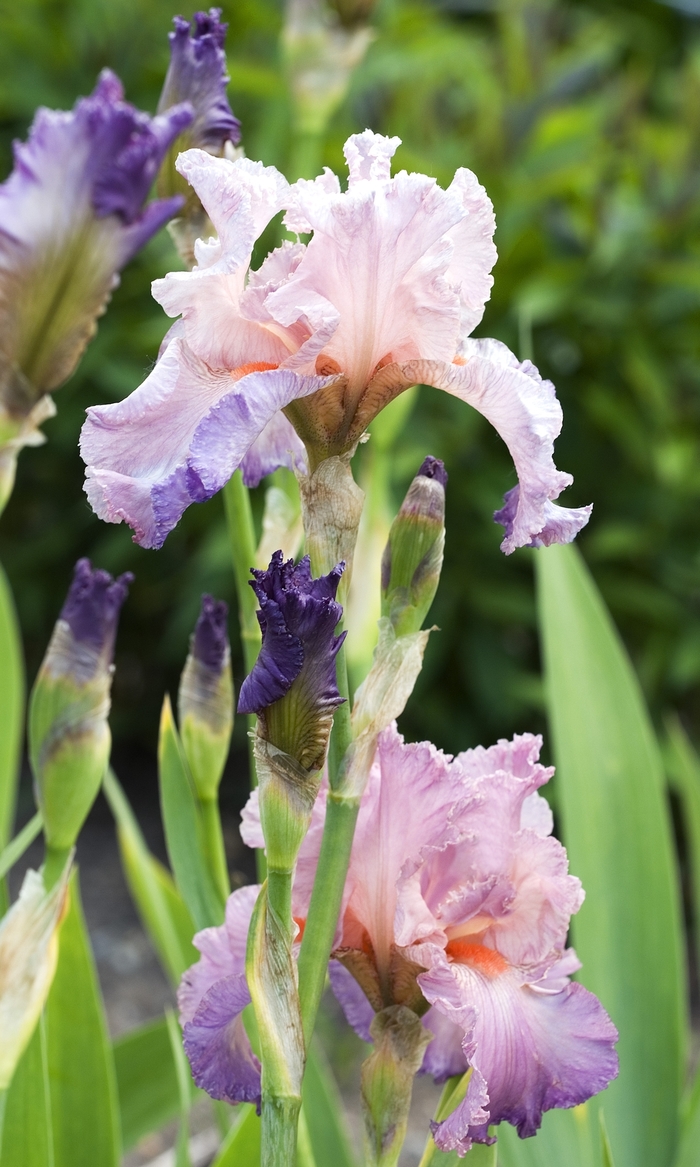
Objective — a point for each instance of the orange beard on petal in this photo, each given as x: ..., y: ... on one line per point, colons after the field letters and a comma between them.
x: 300, y: 922
x: 477, y: 956
x: 251, y: 367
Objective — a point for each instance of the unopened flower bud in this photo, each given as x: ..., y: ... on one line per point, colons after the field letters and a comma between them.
x: 28, y: 957
x: 205, y: 700
x: 69, y: 737
x: 293, y: 685
x: 71, y: 215
x: 412, y: 558
x: 197, y: 75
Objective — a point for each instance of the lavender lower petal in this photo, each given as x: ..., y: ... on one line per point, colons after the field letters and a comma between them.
x: 223, y: 1063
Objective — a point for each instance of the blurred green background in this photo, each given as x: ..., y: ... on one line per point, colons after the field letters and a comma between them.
x: 582, y: 119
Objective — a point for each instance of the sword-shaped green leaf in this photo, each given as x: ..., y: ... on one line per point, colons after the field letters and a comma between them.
x: 82, y: 1080
x: 162, y: 911
x: 27, y: 1135
x: 183, y: 828
x: 11, y: 712
x: 147, y: 1081
x: 616, y: 826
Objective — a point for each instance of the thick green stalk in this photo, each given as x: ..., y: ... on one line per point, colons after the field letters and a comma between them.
x: 55, y: 859
x: 333, y: 862
x: 326, y: 898
x: 239, y: 517
x: 278, y: 1147
x: 241, y: 530
x: 214, y: 845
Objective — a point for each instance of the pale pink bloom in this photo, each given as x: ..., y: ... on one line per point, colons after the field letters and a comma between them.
x: 457, y: 894
x: 385, y: 294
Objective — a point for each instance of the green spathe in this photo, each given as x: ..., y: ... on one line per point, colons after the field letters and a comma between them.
x: 412, y: 559
x: 69, y: 737
x: 387, y: 1081
x: 205, y: 705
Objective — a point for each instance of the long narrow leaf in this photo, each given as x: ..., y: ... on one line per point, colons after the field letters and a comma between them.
x: 27, y: 1136
x: 16, y: 848
x: 242, y: 1146
x: 689, y: 1149
x: 183, y: 829
x: 567, y: 1138
x: 184, y: 1080
x: 11, y: 707
x: 323, y: 1110
x: 147, y: 1081
x: 683, y: 766
x: 617, y: 829
x: 162, y: 911
x: 84, y: 1102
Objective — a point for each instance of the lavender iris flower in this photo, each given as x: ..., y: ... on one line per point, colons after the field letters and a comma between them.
x: 292, y: 686
x: 71, y: 215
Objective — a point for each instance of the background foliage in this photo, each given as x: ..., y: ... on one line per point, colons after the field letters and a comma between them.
x: 582, y: 119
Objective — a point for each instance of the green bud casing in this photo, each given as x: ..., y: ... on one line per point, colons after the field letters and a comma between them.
x: 205, y: 700
x: 412, y: 559
x: 69, y: 737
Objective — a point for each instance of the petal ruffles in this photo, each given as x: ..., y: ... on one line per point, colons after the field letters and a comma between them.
x: 523, y: 408
x: 536, y: 1042
x: 212, y: 996
x: 178, y: 438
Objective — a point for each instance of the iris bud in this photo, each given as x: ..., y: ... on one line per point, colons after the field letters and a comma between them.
x: 196, y: 75
x: 205, y: 700
x: 69, y: 737
x: 412, y: 559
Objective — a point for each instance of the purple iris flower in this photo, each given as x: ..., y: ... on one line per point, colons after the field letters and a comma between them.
x: 210, y: 644
x: 298, y: 616
x: 71, y: 215
x: 197, y: 74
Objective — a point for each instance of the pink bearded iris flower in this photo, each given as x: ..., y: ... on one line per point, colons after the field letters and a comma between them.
x: 457, y: 904
x: 384, y: 295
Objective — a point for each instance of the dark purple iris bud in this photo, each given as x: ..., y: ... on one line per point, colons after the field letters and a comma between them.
x: 292, y: 686
x: 434, y: 468
x: 205, y: 701
x: 197, y: 74
x: 69, y: 737
x: 92, y: 607
x: 210, y: 644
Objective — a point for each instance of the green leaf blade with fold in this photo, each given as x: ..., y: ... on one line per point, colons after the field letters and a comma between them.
x: 323, y: 1108
x: 616, y: 827
x: 183, y: 829
x: 11, y: 707
x: 162, y: 911
x: 147, y: 1081
x: 27, y: 1134
x: 81, y: 1075
x: 683, y: 767
x: 241, y: 1148
x: 689, y: 1147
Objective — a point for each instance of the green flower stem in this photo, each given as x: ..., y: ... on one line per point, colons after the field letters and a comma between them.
x: 214, y: 845
x: 241, y: 531
x: 326, y: 898
x: 239, y: 517
x: 279, y: 898
x: 55, y: 859
x: 278, y: 1132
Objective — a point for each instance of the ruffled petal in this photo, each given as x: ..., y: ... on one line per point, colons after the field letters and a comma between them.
x: 223, y: 952
x: 537, y: 1045
x: 278, y: 445
x: 525, y: 412
x: 444, y: 1057
x: 177, y: 439
x: 240, y: 198
x: 378, y: 256
x: 474, y: 250
x: 217, y: 1045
